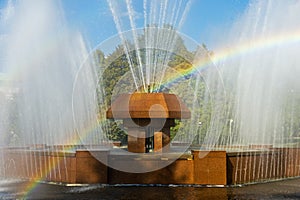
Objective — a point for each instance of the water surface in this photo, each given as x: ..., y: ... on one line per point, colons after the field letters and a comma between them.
x: 12, y: 189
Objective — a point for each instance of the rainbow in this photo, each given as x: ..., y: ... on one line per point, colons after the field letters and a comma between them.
x: 283, y: 39
x: 74, y: 141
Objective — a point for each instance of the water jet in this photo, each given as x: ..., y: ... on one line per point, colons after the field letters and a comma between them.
x: 63, y: 112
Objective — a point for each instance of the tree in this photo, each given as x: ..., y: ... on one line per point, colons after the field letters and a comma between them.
x: 179, y: 58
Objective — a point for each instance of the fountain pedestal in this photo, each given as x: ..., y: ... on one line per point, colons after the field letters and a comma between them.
x: 148, y: 118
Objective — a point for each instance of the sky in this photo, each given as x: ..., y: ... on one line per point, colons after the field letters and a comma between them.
x: 205, y: 20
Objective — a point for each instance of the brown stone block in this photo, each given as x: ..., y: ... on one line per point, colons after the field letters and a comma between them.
x: 166, y: 139
x: 42, y: 167
x: 216, y: 154
x: 134, y: 165
x: 82, y: 154
x: 71, y: 163
x: 202, y: 165
x: 157, y: 123
x: 148, y: 105
x: 46, y: 168
x: 178, y: 172
x: 63, y: 175
x: 202, y: 177
x: 29, y: 165
x: 89, y: 169
x: 71, y: 177
x: 216, y: 164
x: 158, y: 141
x: 136, y: 123
x: 210, y: 167
x: 217, y: 178
x: 60, y: 167
x: 136, y: 141
x: 63, y: 170
x: 182, y: 171
x: 53, y: 169
x: 201, y: 154
x: 200, y: 169
x: 217, y: 170
x: 38, y: 167
x: 71, y: 170
x: 48, y: 174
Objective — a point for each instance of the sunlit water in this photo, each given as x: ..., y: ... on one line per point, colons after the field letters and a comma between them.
x: 251, y: 88
x: 260, y: 71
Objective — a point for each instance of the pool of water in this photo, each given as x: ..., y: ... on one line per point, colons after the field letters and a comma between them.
x: 18, y: 189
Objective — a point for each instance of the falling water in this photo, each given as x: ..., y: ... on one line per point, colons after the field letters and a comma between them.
x: 42, y: 57
x: 260, y: 76
x: 39, y: 66
x: 55, y: 87
x: 261, y: 73
x: 155, y: 18
x: 247, y: 98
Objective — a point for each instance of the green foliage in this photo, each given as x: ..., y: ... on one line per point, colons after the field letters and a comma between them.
x: 116, y: 65
x: 115, y: 133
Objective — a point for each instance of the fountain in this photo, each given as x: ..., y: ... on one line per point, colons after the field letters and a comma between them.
x: 148, y: 118
x: 187, y: 116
